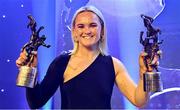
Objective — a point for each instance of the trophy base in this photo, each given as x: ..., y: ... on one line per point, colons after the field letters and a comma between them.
x: 26, y: 77
x: 152, y: 82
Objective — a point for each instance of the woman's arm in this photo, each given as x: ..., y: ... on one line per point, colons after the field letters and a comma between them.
x: 134, y: 93
x: 42, y: 92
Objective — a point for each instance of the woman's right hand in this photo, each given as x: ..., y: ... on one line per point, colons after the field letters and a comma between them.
x: 22, y: 60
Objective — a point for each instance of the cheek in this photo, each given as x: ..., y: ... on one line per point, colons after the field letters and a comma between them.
x: 79, y: 32
x: 98, y: 33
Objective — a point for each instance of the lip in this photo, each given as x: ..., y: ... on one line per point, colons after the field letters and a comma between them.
x: 87, y: 37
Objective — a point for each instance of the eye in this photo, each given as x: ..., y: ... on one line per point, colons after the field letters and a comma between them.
x: 80, y: 26
x: 93, y: 25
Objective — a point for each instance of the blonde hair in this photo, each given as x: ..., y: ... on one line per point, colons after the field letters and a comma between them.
x: 103, y: 40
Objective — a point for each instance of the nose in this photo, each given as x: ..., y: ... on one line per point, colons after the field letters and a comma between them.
x: 87, y: 30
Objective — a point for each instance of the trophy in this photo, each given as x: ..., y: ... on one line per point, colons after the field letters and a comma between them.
x: 152, y: 79
x: 27, y: 75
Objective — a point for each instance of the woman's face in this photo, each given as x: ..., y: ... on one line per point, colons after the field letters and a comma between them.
x: 87, y: 29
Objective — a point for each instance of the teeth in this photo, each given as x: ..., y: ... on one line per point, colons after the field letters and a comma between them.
x: 87, y: 37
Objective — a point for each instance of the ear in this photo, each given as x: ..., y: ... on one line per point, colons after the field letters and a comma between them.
x: 102, y: 33
x: 73, y: 32
x: 74, y: 35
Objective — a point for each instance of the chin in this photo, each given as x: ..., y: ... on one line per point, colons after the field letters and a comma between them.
x: 90, y: 45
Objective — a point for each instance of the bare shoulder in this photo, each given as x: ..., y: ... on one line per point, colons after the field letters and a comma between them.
x: 116, y: 61
x: 118, y: 65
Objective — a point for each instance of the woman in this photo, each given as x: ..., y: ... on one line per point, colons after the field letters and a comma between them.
x: 86, y: 75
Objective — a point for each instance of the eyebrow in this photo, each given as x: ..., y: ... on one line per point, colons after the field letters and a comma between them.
x: 79, y: 24
x: 93, y: 23
x: 90, y: 23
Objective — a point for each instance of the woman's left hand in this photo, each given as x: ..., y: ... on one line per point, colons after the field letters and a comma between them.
x: 142, y: 66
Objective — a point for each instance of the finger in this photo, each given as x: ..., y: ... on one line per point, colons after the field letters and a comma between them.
x: 34, y: 63
x: 142, y: 65
x: 159, y: 52
x: 33, y: 60
x: 157, y: 63
x: 141, y: 58
x: 30, y: 61
x: 155, y: 60
x: 34, y: 52
x: 18, y: 63
x: 22, y: 59
x: 143, y: 54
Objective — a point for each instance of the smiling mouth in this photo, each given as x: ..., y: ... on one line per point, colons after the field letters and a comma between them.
x: 87, y: 37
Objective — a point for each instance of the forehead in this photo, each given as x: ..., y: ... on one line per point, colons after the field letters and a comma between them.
x: 87, y: 16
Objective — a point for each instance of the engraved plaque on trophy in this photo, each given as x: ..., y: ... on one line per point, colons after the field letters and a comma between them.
x: 152, y: 78
x: 27, y: 74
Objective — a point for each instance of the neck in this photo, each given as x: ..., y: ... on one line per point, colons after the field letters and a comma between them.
x: 87, y: 53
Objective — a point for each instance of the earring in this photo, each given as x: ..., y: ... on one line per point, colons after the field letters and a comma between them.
x: 101, y: 39
x: 75, y: 39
